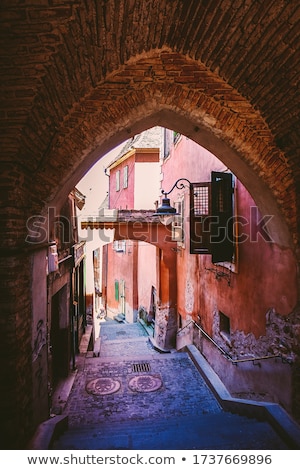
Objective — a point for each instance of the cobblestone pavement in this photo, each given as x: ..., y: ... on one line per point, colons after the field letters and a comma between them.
x: 134, y: 397
x: 131, y: 380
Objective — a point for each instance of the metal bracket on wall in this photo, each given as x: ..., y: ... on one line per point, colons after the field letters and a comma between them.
x: 220, y: 274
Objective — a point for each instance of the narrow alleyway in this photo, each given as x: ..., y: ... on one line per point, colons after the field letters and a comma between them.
x: 134, y: 397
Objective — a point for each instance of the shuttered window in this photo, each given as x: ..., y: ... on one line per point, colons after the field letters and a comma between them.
x: 200, y: 218
x: 222, y: 214
x: 117, y: 290
x: 211, y: 217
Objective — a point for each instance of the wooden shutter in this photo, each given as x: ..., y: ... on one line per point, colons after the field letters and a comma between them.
x: 222, y: 217
x: 200, y: 218
x: 116, y: 290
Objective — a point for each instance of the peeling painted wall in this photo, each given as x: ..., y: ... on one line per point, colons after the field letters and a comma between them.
x: 257, y: 295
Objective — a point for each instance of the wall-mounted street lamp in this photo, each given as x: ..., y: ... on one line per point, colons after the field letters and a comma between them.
x: 166, y: 212
x: 210, y: 215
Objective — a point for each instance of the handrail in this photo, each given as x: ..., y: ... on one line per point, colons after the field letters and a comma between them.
x: 224, y: 353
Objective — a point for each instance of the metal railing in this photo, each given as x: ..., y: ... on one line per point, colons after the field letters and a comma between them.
x: 226, y: 354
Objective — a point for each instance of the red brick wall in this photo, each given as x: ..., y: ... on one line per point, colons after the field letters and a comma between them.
x: 86, y: 76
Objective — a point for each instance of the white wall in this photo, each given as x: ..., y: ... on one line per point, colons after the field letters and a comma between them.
x: 147, y: 183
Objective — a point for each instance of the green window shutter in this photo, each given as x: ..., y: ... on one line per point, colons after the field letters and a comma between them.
x: 117, y: 290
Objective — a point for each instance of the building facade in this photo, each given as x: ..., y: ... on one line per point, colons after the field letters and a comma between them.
x: 59, y: 312
x: 129, y: 281
x: 243, y: 302
x: 235, y: 289
x: 86, y: 78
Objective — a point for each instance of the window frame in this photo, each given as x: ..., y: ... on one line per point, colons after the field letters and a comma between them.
x: 119, y: 246
x: 199, y: 222
x: 118, y: 180
x: 212, y: 228
x: 224, y: 327
x: 125, y: 177
x: 178, y: 224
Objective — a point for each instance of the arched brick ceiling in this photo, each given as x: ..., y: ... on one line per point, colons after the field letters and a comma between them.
x: 77, y: 75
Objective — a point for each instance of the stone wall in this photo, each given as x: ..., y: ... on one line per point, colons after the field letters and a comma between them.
x: 165, y: 327
x: 275, y: 379
x: 282, y: 338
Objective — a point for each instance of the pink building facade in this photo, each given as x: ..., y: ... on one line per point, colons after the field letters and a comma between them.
x: 237, y: 311
x: 245, y: 305
x: 130, y: 274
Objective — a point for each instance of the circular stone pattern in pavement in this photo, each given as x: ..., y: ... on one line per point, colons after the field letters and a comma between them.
x: 145, y: 383
x: 103, y: 386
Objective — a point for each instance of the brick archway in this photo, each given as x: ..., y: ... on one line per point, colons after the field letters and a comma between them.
x: 80, y: 77
x: 170, y: 90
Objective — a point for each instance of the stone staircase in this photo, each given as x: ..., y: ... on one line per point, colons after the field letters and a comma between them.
x: 183, y: 413
x: 221, y: 430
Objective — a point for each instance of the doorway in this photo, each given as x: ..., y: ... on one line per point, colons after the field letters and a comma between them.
x: 59, y: 337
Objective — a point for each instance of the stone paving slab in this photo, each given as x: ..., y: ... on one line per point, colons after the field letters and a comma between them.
x: 182, y: 391
x: 133, y: 397
x: 127, y: 347
x: 112, y: 331
x: 124, y: 339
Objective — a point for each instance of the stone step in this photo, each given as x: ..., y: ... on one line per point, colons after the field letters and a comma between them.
x: 183, y: 414
x: 157, y: 347
x: 120, y: 318
x: 211, y: 431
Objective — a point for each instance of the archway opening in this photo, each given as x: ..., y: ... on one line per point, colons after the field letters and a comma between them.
x: 190, y: 289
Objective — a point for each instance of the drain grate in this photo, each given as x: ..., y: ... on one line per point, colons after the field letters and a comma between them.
x: 141, y: 367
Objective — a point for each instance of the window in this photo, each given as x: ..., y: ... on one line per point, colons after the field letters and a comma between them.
x: 224, y: 326
x: 178, y: 224
x: 200, y: 218
x: 118, y: 180
x: 119, y: 246
x: 167, y: 140
x: 176, y: 137
x: 211, y: 217
x: 170, y: 139
x: 125, y: 177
